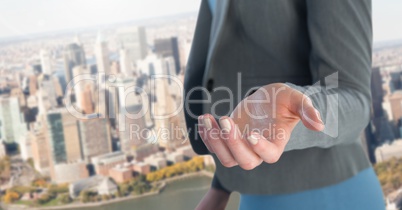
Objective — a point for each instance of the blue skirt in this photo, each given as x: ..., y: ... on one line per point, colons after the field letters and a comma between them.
x: 362, y: 191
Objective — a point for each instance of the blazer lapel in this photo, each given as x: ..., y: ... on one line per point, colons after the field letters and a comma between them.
x: 217, y: 23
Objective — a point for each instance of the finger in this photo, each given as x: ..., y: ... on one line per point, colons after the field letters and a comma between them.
x: 302, y: 106
x: 242, y: 153
x: 202, y: 132
x: 266, y: 149
x: 213, y: 137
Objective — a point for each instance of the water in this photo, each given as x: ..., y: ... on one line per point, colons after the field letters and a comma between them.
x: 179, y: 195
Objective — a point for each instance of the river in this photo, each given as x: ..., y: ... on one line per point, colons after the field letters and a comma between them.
x: 178, y: 195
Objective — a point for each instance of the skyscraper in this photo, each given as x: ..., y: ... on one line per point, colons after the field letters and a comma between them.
x: 57, y: 141
x: 40, y: 146
x: 82, y: 90
x: 95, y: 138
x: 396, y: 106
x: 125, y: 62
x: 126, y: 105
x: 102, y: 55
x: 12, y: 125
x: 74, y: 55
x: 71, y: 134
x: 134, y: 41
x: 33, y: 85
x: 169, y: 48
x: 45, y: 61
x: 377, y: 92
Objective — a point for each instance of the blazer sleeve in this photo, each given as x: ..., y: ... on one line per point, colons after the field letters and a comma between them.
x: 193, y: 76
x: 340, y: 63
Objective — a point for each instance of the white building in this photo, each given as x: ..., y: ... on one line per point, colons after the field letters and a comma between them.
x: 46, y: 62
x: 388, y: 151
x: 69, y: 173
x: 175, y: 157
x: 107, y: 187
x: 126, y: 65
x: 158, y: 161
x: 133, y: 39
x: 25, y: 146
x: 102, y: 55
x: 187, y: 151
x: 101, y: 185
x: 12, y: 125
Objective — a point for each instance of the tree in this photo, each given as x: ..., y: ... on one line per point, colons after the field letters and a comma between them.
x: 105, y: 197
x: 125, y: 189
x: 45, y: 198
x: 23, y: 189
x: 58, y: 189
x: 10, y: 197
x: 85, y: 196
x: 65, y: 198
x: 151, y: 177
x: 39, y: 183
x: 390, y: 174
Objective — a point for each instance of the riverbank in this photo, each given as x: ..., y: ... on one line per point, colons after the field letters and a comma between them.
x: 73, y: 206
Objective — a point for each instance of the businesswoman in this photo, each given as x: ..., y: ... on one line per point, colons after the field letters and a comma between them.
x: 278, y: 92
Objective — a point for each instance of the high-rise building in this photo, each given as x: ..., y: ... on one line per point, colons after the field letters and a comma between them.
x: 46, y: 62
x: 115, y: 68
x: 95, y: 138
x: 126, y: 65
x: 128, y: 103
x: 395, y: 81
x: 33, y: 85
x: 72, y: 136
x: 102, y: 55
x: 164, y: 108
x: 86, y: 97
x: 17, y: 92
x: 134, y: 41
x: 56, y: 137
x: 74, y: 55
x: 169, y: 48
x: 65, y: 137
x: 25, y: 145
x: 82, y: 90
x: 157, y: 65
x: 396, y: 106
x: 40, y: 146
x: 185, y: 48
x: 377, y: 92
x: 12, y: 125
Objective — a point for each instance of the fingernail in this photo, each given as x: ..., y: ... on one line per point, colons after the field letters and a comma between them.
x: 252, y: 139
x: 200, y: 119
x: 207, y: 123
x: 226, y: 124
x: 319, y: 116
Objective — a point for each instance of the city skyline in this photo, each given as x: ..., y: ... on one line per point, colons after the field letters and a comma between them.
x: 45, y: 16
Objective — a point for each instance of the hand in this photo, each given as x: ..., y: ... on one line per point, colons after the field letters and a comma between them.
x: 214, y: 199
x: 259, y: 127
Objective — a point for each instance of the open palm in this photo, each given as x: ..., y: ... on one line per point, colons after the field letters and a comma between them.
x: 259, y: 127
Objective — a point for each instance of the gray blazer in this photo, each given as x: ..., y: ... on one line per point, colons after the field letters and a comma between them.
x: 320, y: 47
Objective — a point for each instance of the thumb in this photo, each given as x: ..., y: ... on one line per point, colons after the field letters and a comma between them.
x: 302, y: 106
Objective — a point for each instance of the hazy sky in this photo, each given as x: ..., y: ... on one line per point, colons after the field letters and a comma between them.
x: 23, y: 17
